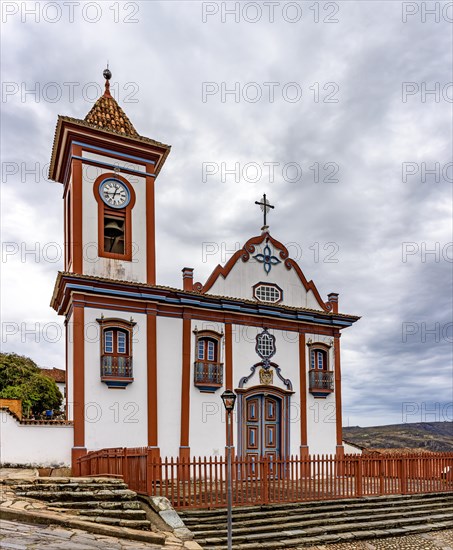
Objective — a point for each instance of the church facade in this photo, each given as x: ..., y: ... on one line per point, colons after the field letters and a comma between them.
x: 145, y: 363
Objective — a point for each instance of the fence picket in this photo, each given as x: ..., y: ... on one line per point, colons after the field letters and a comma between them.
x: 201, y: 482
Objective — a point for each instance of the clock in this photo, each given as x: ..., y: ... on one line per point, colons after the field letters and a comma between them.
x: 114, y: 193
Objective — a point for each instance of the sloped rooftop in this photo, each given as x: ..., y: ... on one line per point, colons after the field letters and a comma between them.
x: 106, y: 114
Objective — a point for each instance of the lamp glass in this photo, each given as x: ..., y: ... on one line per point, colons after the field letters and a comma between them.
x: 229, y: 399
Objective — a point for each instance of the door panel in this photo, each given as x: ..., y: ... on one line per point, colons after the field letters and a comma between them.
x: 263, y: 427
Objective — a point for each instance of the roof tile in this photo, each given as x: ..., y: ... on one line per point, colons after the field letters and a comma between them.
x: 107, y: 114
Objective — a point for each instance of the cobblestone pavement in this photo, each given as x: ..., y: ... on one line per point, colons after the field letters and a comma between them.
x: 22, y: 536
x: 436, y: 540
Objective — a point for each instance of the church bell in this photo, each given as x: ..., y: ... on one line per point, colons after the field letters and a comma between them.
x: 113, y: 229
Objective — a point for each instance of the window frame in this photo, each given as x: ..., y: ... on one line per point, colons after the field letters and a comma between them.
x: 104, y: 211
x: 274, y: 286
x: 317, y: 350
x: 208, y: 344
x: 115, y: 327
x: 208, y: 367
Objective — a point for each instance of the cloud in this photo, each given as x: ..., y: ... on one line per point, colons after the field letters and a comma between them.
x: 364, y: 219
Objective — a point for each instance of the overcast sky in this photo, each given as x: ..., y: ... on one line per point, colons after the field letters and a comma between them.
x: 331, y: 116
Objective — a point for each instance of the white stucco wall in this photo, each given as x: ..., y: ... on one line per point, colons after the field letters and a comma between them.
x: 169, y: 372
x: 106, y: 267
x: 70, y: 367
x: 240, y: 280
x: 321, y: 413
x: 115, y: 417
x: 286, y: 357
x: 34, y: 445
x: 207, y: 416
x: 351, y: 449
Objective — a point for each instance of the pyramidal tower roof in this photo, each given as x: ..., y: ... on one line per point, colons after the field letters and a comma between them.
x: 108, y: 115
x: 106, y: 121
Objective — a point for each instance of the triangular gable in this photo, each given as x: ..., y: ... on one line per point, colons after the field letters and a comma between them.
x: 272, y: 265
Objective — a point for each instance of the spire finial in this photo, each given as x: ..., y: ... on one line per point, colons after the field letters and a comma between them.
x: 107, y: 75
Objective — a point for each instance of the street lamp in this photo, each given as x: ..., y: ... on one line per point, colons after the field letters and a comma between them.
x: 229, y: 399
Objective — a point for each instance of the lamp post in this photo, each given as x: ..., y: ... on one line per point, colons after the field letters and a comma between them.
x: 229, y: 399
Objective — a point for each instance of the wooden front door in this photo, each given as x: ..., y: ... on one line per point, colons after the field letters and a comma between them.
x: 263, y: 427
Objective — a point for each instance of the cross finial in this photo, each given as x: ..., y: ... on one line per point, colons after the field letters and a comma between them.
x: 265, y: 207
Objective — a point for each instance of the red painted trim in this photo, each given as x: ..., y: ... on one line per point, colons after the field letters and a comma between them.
x: 125, y: 213
x: 229, y: 356
x: 303, y: 391
x: 151, y: 341
x: 69, y: 131
x: 244, y: 254
x: 333, y: 299
x: 204, y: 315
x: 135, y: 306
x: 338, y: 410
x: 76, y: 243
x: 150, y: 228
x: 187, y: 278
x: 66, y: 369
x: 78, y: 379
x: 66, y: 230
x: 185, y: 386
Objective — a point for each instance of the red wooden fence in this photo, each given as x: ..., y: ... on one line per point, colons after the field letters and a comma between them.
x: 201, y: 482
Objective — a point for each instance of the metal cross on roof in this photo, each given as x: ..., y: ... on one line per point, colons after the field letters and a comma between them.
x: 265, y: 207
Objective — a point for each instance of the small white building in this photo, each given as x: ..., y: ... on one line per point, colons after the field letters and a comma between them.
x: 59, y: 375
x: 146, y: 364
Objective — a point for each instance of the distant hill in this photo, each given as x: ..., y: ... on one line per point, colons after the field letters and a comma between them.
x: 420, y: 436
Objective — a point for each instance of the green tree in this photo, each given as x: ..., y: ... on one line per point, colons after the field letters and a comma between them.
x: 20, y: 378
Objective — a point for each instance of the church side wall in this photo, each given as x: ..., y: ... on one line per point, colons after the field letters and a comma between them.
x: 169, y: 365
x: 105, y: 267
x: 207, y: 415
x: 321, y: 413
x: 115, y: 417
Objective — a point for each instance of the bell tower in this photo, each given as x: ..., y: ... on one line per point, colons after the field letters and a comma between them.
x: 108, y: 172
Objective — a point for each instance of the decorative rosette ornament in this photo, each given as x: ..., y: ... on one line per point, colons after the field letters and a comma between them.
x: 267, y: 259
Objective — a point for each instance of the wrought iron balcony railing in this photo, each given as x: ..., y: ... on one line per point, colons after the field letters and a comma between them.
x: 208, y: 377
x: 320, y: 382
x: 116, y: 371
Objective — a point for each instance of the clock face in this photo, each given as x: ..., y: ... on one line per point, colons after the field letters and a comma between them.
x: 114, y: 193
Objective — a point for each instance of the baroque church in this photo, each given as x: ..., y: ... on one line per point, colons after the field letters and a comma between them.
x: 146, y: 364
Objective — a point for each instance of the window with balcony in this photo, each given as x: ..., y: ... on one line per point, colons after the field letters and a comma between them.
x: 116, y: 352
x: 320, y: 377
x: 208, y: 370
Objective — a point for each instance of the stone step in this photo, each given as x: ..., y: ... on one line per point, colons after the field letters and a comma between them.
x: 62, y: 480
x: 102, y: 512
x: 311, y: 506
x: 304, y: 515
x: 296, y: 544
x: 49, y: 496
x: 118, y: 522
x: 83, y: 487
x: 285, y: 523
x: 294, y: 537
x: 88, y: 504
